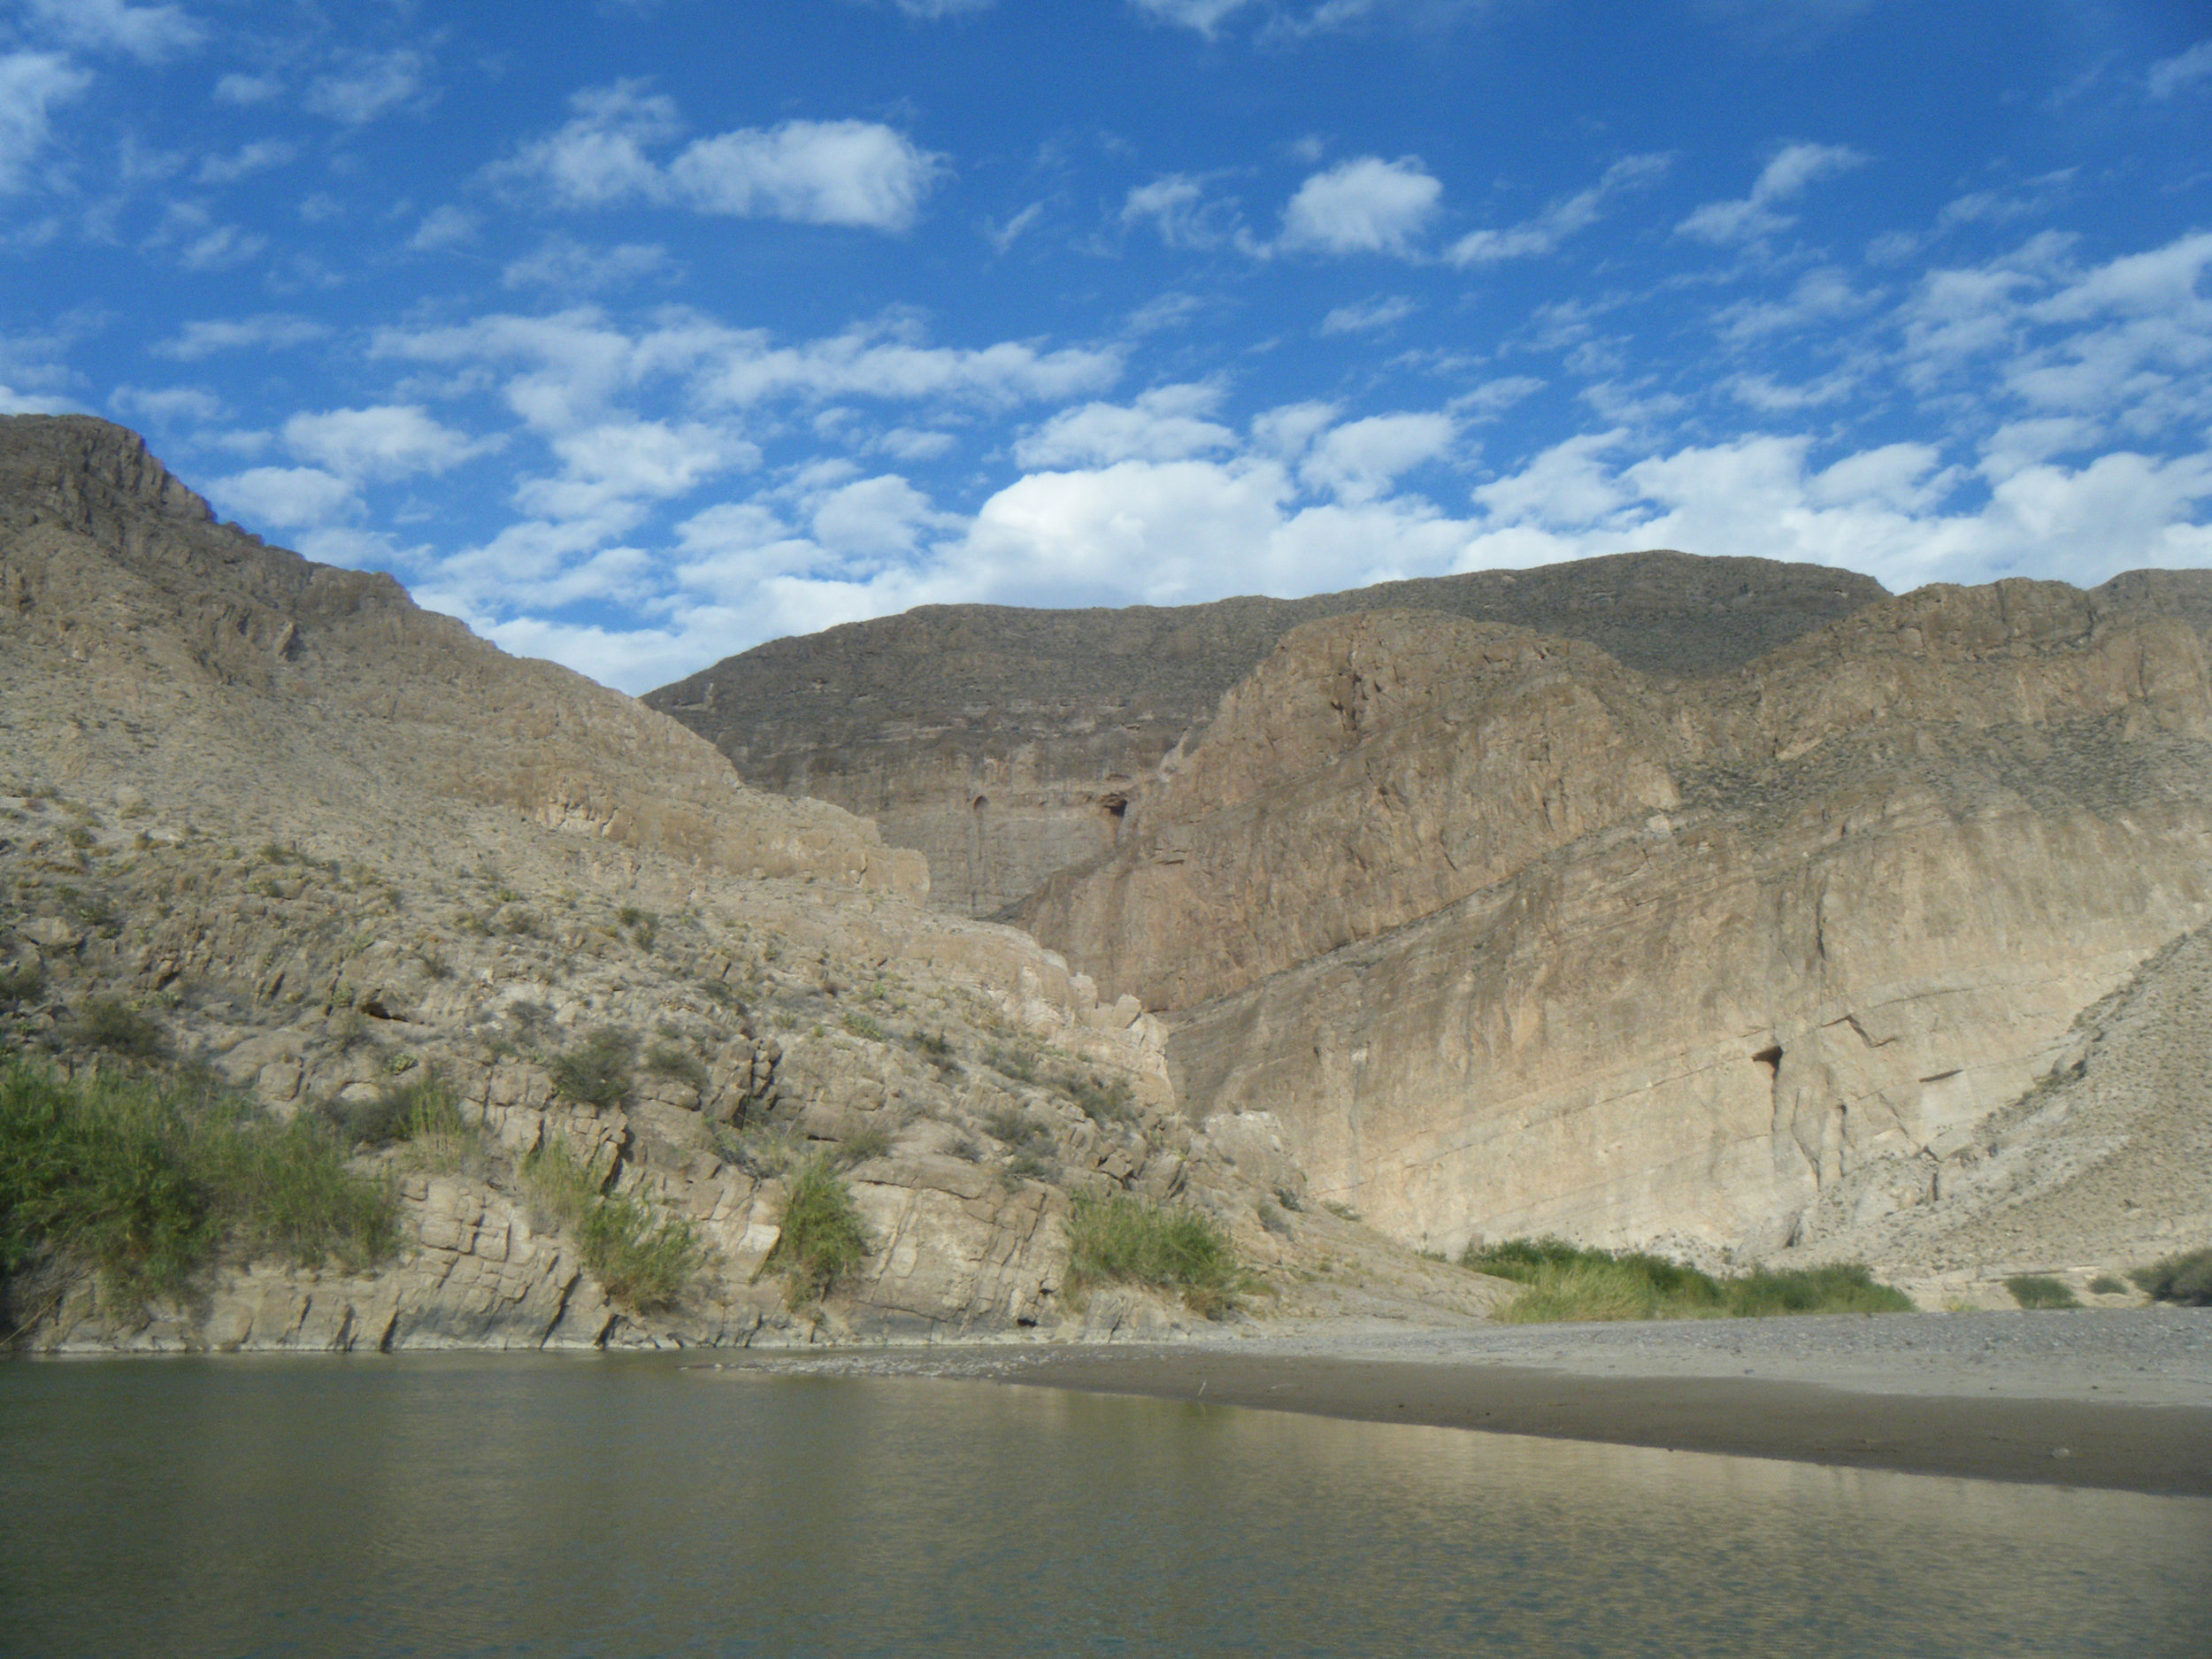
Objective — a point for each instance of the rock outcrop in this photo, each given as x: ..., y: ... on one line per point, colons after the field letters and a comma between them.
x: 317, y: 844
x: 1516, y: 940
x: 1008, y: 744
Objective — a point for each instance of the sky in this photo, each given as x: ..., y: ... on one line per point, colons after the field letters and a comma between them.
x: 639, y: 332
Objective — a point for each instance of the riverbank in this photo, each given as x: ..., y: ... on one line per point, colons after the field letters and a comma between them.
x: 2117, y: 1399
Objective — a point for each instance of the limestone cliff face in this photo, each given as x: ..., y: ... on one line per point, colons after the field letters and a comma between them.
x: 1691, y: 957
x: 217, y: 659
x: 1007, y: 745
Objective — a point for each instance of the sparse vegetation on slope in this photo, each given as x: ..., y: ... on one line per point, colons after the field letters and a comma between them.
x: 2186, y: 1279
x: 1120, y: 1241
x: 1568, y: 1282
x: 2036, y: 1291
x: 147, y: 1181
x: 639, y: 1257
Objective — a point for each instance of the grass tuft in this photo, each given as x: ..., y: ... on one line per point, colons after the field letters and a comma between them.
x: 111, y: 1024
x: 639, y: 1257
x: 598, y: 1071
x: 1122, y: 1241
x: 1566, y: 1281
x: 2186, y: 1279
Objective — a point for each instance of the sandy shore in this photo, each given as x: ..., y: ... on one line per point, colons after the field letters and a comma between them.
x: 2111, y: 1398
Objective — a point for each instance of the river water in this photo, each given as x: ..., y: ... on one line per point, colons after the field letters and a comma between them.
x: 615, y: 1506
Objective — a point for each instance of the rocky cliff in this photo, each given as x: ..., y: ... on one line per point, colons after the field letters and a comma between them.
x: 266, y: 823
x: 1515, y: 940
x: 1008, y: 744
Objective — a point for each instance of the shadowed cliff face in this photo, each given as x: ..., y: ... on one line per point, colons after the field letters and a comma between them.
x: 1009, y: 744
x: 1516, y: 940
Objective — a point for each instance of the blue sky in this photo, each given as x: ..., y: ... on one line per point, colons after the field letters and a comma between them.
x: 636, y: 333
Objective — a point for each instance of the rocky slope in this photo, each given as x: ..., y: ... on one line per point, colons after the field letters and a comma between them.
x: 1516, y: 940
x: 321, y: 843
x: 1008, y: 744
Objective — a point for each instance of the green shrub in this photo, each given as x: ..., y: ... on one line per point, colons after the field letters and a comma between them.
x: 1018, y: 1130
x: 2186, y: 1279
x: 2035, y: 1290
x: 639, y: 1257
x: 110, y: 1023
x: 1566, y: 1281
x: 1122, y: 1241
x: 2105, y: 1285
x: 596, y: 1071
x: 860, y: 1026
x: 680, y: 1065
x: 146, y: 1182
x: 1019, y: 1063
x: 821, y: 1237
x: 1101, y: 1100
x: 423, y: 1106
x: 874, y: 1142
x: 1032, y: 1166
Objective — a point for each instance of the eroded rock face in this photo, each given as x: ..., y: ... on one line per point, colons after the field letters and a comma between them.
x: 1628, y: 962
x: 1009, y: 744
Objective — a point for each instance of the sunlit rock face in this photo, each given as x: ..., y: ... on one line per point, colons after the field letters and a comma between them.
x: 1514, y: 940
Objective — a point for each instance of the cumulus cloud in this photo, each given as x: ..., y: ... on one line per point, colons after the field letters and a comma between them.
x: 1357, y: 461
x: 148, y: 34
x: 860, y: 174
x: 1561, y: 220
x: 1177, y: 208
x: 1166, y: 424
x: 31, y: 84
x: 284, y: 497
x: 1786, y: 176
x: 1367, y: 205
x: 166, y: 403
x: 382, y: 442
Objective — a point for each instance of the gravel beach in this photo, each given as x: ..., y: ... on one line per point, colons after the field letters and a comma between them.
x: 2117, y: 1398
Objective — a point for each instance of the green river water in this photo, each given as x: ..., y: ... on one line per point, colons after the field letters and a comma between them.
x: 605, y: 1506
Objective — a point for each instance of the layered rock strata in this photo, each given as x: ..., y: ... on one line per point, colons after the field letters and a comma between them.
x: 1516, y: 940
x: 1008, y: 744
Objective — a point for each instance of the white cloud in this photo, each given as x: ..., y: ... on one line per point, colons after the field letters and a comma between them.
x: 257, y: 156
x: 382, y: 442
x: 284, y: 497
x: 607, y: 467
x: 166, y: 403
x: 1358, y: 461
x: 200, y: 243
x: 150, y: 33
x: 1366, y: 205
x: 1205, y: 16
x: 1785, y: 176
x: 860, y: 174
x: 1178, y: 209
x: 446, y: 227
x: 573, y: 267
x: 31, y: 83
x: 247, y: 89
x: 371, y: 84
x: 1559, y: 220
x: 1820, y: 295
x: 2170, y: 75
x: 1163, y: 425
x: 1369, y: 316
x: 1492, y: 398
x: 269, y: 331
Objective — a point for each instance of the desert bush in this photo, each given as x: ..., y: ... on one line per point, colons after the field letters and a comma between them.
x: 111, y: 1024
x: 860, y: 1026
x: 1033, y: 1166
x: 1566, y: 1281
x: 678, y: 1064
x: 2186, y: 1279
x: 146, y: 1182
x: 874, y: 1142
x: 1287, y: 1197
x: 639, y: 1257
x: 821, y: 1237
x: 761, y: 1152
x: 1121, y: 1240
x: 425, y: 1107
x: 2038, y: 1291
x: 1018, y: 1062
x: 2105, y: 1285
x: 596, y: 1071
x: 1019, y: 1131
x: 1102, y: 1101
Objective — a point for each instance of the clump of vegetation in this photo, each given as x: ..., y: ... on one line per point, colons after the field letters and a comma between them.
x: 1287, y: 1197
x: 598, y: 1071
x: 822, y: 1237
x: 1567, y: 1281
x: 874, y: 1142
x: 25, y: 982
x: 1100, y: 1099
x: 860, y: 1026
x: 1276, y: 1221
x: 1118, y: 1239
x: 761, y: 1152
x: 112, y: 1025
x: 422, y: 1108
x: 2186, y: 1279
x: 639, y: 1257
x: 2105, y: 1285
x: 148, y: 1181
x: 1020, y: 1133
x: 1018, y: 1062
x: 678, y: 1064
x: 2038, y: 1291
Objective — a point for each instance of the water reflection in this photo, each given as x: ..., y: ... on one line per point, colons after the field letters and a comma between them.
x: 474, y: 1505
